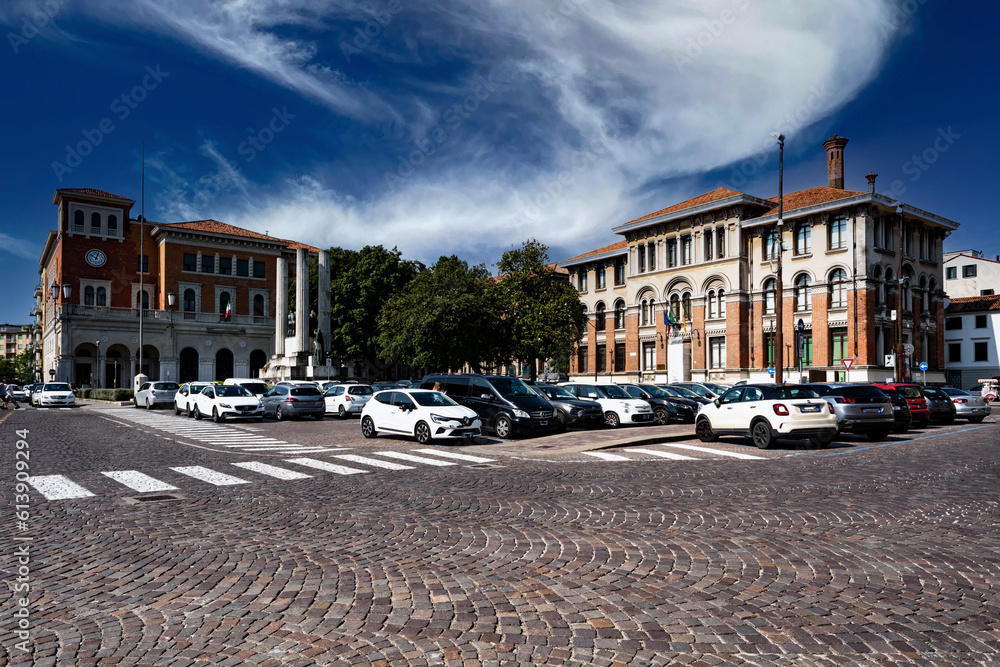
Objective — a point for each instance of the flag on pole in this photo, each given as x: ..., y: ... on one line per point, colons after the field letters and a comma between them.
x: 229, y: 308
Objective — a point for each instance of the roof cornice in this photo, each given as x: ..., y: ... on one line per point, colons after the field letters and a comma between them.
x: 596, y: 257
x: 741, y: 198
x: 166, y: 230
x: 863, y: 198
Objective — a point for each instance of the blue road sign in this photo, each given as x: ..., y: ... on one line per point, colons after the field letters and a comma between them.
x: 923, y: 365
x: 802, y: 326
x: 770, y: 371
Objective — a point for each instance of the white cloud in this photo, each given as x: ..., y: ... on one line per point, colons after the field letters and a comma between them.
x: 20, y: 247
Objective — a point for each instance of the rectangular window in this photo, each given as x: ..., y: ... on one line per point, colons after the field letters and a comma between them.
x: 952, y: 323
x: 207, y: 264
x: 708, y: 246
x: 981, y: 321
x: 985, y: 292
x: 619, y: 357
x: 243, y: 267
x: 640, y: 254
x: 226, y: 266
x: 951, y: 272
x: 583, y: 281
x: 768, y: 350
x: 838, y: 233
x: 720, y: 243
x: 258, y: 269
x: 803, y: 239
x: 620, y: 272
x: 602, y: 358
x: 672, y: 253
x: 143, y: 263
x: 581, y: 359
x: 190, y: 262
x: 969, y: 271
x: 717, y: 352
x: 838, y: 345
x: 602, y: 272
x: 770, y: 249
x: 981, y: 351
x: 954, y: 352
x: 686, y: 250
x: 807, y: 350
x: 649, y: 356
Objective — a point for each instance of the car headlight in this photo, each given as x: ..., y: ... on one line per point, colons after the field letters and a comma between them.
x: 575, y: 411
x: 521, y: 414
x: 439, y: 419
x: 225, y: 405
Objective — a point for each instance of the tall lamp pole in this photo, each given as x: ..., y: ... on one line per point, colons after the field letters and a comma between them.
x: 900, y: 360
x: 779, y: 339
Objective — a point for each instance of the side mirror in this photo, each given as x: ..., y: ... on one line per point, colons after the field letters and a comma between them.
x: 716, y: 402
x: 488, y: 397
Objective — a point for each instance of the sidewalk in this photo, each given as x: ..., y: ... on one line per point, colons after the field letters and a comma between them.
x: 574, y: 442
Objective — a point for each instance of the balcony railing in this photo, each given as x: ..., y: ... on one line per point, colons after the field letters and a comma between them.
x: 106, y: 313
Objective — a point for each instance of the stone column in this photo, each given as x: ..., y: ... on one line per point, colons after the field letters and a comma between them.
x: 280, y: 306
x: 323, y: 300
x: 301, y: 300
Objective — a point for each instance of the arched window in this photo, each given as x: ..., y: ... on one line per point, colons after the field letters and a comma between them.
x: 803, y: 292
x: 224, y: 300
x: 600, y: 318
x: 770, y: 287
x: 78, y: 221
x: 923, y: 295
x: 713, y: 307
x: 102, y: 296
x: 189, y: 300
x: 675, y: 308
x: 113, y: 225
x: 144, y: 299
x: 722, y: 303
x: 258, y: 305
x: 619, y: 314
x: 686, y: 306
x: 906, y: 292
x: 838, y: 288
x: 879, y: 287
x: 95, y: 223
x: 88, y: 296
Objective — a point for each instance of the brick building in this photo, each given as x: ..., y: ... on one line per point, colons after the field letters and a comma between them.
x: 206, y: 290
x: 710, y: 263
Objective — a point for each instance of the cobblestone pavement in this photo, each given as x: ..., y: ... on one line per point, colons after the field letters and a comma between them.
x: 862, y: 554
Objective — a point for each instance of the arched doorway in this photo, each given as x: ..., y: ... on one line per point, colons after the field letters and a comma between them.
x: 150, y: 362
x: 86, y: 367
x: 257, y: 360
x: 117, y: 367
x: 223, y: 364
x: 188, y: 371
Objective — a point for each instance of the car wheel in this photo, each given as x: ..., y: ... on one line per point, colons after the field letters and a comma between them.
x: 368, y: 427
x: 763, y: 435
x: 149, y: 404
x: 196, y: 413
x: 259, y: 420
x: 502, y: 427
x: 900, y: 429
x: 422, y: 433
x: 135, y: 404
x: 876, y: 436
x: 821, y: 441
x: 704, y: 431
x: 177, y: 410
x: 611, y: 419
x: 661, y: 416
x: 561, y: 427
x: 341, y: 412
x: 217, y: 417
x: 976, y: 420
x: 948, y: 420
x: 279, y: 414
x: 319, y: 417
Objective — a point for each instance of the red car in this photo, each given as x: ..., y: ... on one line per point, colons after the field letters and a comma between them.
x: 914, y: 396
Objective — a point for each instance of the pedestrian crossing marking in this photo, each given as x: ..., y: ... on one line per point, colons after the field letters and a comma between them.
x: 58, y: 487
x: 328, y: 467
x: 364, y: 460
x: 607, y: 457
x: 453, y: 455
x: 210, y: 476
x: 415, y: 459
x: 666, y: 455
x: 273, y: 471
x: 138, y: 481
x: 719, y: 452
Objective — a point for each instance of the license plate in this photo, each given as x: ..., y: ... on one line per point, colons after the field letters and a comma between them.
x: 870, y: 411
x: 810, y: 408
x: 544, y: 422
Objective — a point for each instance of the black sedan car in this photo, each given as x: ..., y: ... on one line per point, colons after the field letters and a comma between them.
x: 666, y: 408
x: 940, y: 406
x: 570, y: 410
x: 902, y: 419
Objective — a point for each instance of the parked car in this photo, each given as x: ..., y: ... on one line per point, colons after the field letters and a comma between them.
x: 255, y: 386
x: 902, y: 419
x: 914, y: 396
x: 860, y: 408
x: 56, y: 393
x: 297, y: 383
x: 152, y: 394
x: 36, y: 390
x: 666, y: 408
x: 326, y: 384
x: 505, y: 405
x: 425, y: 415
x: 766, y: 412
x: 681, y: 392
x: 347, y: 399
x: 570, y: 410
x: 184, y: 397
x: 703, y: 389
x: 222, y: 402
x: 382, y: 386
x: 619, y: 407
x: 968, y: 405
x: 18, y: 393
x: 939, y: 406
x: 294, y: 400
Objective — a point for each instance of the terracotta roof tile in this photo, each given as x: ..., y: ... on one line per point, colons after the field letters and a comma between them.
x: 216, y: 227
x: 708, y: 197
x: 810, y: 197
x: 99, y: 193
x: 608, y: 248
x: 973, y: 304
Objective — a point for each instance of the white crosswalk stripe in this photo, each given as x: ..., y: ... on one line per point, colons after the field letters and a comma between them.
x: 273, y: 471
x: 138, y: 481
x: 58, y: 487
x: 328, y: 467
x: 607, y: 457
x: 210, y: 476
x: 453, y: 455
x: 708, y: 450
x: 415, y: 459
x: 666, y: 455
x: 364, y: 460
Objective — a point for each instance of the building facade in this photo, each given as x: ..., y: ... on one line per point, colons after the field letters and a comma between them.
x: 971, y: 348
x: 16, y: 339
x: 690, y: 291
x: 968, y: 273
x: 180, y: 301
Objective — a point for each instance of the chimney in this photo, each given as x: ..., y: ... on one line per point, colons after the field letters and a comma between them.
x: 835, y: 161
x: 871, y: 182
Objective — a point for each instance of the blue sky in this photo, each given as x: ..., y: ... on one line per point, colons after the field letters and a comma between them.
x: 467, y: 127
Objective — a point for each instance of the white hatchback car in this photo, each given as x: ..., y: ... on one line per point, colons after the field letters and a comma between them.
x: 151, y: 394
x: 222, y: 402
x: 424, y: 414
x: 347, y: 399
x: 184, y: 398
x: 766, y: 412
x: 56, y: 393
x: 618, y: 405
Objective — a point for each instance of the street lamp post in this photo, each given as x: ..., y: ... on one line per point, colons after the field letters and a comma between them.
x: 97, y: 364
x: 900, y: 369
x: 779, y: 339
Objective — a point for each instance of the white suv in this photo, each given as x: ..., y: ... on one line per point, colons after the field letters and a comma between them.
x: 765, y: 412
x: 619, y: 407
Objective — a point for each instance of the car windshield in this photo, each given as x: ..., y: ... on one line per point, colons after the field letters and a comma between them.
x: 431, y: 399
x: 656, y: 391
x: 165, y: 386
x: 699, y: 390
x: 305, y: 391
x: 785, y: 393
x: 54, y: 386
x: 555, y: 393
x: 614, y: 391
x: 911, y: 392
x: 716, y: 388
x: 231, y: 391
x: 683, y: 392
x: 508, y: 387
x: 955, y: 392
x: 360, y: 390
x: 255, y: 387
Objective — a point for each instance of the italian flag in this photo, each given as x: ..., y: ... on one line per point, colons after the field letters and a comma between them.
x: 229, y: 308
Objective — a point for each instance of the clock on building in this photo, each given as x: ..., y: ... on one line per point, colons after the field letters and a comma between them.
x: 96, y: 258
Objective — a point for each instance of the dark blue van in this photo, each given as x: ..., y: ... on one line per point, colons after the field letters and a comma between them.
x: 505, y: 405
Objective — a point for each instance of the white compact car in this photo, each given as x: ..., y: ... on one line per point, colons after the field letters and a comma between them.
x: 347, y: 399
x: 619, y: 407
x: 424, y: 414
x: 152, y: 394
x: 184, y: 398
x: 766, y: 412
x: 56, y: 394
x: 222, y: 402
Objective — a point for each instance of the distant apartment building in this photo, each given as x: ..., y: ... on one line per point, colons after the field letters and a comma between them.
x: 969, y: 273
x: 689, y: 292
x: 971, y: 349
x: 16, y: 339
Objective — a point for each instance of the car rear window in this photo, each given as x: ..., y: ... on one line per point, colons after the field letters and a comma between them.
x: 360, y: 390
x: 165, y: 386
x: 911, y: 392
x: 863, y: 394
x: 305, y: 391
x: 785, y: 393
x: 255, y: 387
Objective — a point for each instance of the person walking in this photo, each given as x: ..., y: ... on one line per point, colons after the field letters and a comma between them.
x: 9, y: 396
x: 3, y: 394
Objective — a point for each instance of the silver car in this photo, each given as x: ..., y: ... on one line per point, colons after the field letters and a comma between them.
x: 153, y: 394
x: 968, y: 405
x: 288, y: 400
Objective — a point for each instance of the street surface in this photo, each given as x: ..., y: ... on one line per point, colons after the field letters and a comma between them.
x: 150, y: 539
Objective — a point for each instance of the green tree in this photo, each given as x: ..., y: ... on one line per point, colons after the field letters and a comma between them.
x: 22, y: 366
x: 541, y: 310
x: 444, y: 319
